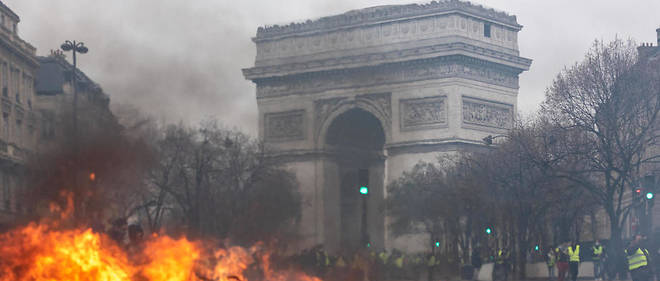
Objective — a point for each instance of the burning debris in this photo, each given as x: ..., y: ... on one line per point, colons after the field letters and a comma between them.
x: 48, y: 250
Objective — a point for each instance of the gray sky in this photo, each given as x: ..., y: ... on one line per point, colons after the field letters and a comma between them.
x: 182, y: 60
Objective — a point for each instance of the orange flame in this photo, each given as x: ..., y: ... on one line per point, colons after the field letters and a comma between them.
x: 42, y: 252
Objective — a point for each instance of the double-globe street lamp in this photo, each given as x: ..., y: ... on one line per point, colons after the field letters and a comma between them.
x: 75, y: 47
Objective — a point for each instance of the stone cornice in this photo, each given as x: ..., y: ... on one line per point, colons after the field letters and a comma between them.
x: 20, y: 48
x: 381, y: 14
x: 313, y: 154
x: 422, y: 146
x: 457, y: 48
x: 9, y: 12
x: 435, y: 145
x: 407, y: 71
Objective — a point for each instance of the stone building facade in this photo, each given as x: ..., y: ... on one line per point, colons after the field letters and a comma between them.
x: 18, y: 67
x: 650, y: 172
x: 54, y: 102
x: 359, y: 98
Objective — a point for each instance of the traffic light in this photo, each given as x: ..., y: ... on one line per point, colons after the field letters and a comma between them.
x: 363, y: 181
x: 489, y: 230
x: 437, y: 244
x: 368, y: 245
x: 536, y: 248
x: 648, y: 183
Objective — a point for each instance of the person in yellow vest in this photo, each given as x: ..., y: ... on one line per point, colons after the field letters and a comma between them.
x: 550, y: 261
x: 322, y: 261
x: 574, y: 260
x: 383, y: 264
x: 431, y: 262
x: 340, y: 263
x: 562, y: 261
x: 501, y: 266
x: 398, y: 265
x: 597, y: 259
x: 638, y: 261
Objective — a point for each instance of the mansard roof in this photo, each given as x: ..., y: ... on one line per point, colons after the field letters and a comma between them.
x: 386, y: 13
x: 54, y: 71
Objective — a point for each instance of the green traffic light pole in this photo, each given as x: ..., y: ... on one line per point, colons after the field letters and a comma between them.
x: 364, y: 192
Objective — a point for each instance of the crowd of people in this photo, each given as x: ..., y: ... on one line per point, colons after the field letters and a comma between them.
x: 637, y: 261
x: 366, y: 264
x: 564, y: 260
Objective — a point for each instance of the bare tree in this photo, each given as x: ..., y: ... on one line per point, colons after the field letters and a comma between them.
x: 604, y: 110
x: 221, y: 183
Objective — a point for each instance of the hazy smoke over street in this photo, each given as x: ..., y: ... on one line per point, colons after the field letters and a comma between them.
x: 181, y: 60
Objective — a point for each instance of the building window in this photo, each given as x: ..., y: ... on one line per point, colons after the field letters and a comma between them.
x: 6, y: 191
x: 487, y: 30
x: 47, y: 125
x: 19, y: 131
x: 5, y: 125
x: 14, y: 80
x: 5, y: 80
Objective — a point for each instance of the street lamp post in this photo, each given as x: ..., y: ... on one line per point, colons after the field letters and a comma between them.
x: 75, y: 47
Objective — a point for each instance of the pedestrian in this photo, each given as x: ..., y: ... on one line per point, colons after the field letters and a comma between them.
x: 384, y: 264
x: 550, y: 261
x: 597, y: 251
x: 476, y: 263
x: 135, y: 236
x: 117, y: 231
x: 638, y: 260
x: 562, y: 261
x: 574, y: 260
x: 135, y: 244
x: 500, y: 268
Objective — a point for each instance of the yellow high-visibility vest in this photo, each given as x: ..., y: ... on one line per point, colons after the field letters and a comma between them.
x: 574, y: 256
x: 398, y: 262
x: 551, y: 259
x: 431, y: 261
x: 340, y: 262
x: 501, y: 256
x: 384, y: 256
x: 637, y: 260
x: 598, y: 251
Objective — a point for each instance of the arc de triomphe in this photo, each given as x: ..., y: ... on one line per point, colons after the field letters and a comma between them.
x: 365, y: 95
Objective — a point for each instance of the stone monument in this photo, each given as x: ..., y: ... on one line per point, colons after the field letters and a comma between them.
x: 358, y: 98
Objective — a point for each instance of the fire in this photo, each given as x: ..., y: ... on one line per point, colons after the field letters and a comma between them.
x: 36, y: 252
x: 44, y: 252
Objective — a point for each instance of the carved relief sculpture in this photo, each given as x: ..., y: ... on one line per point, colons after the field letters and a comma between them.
x: 486, y: 113
x: 423, y: 113
x: 288, y: 125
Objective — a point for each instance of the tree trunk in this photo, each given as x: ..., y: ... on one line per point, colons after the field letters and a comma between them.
x: 615, y: 247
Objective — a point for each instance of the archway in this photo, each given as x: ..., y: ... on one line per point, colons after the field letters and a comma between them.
x: 355, y: 141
